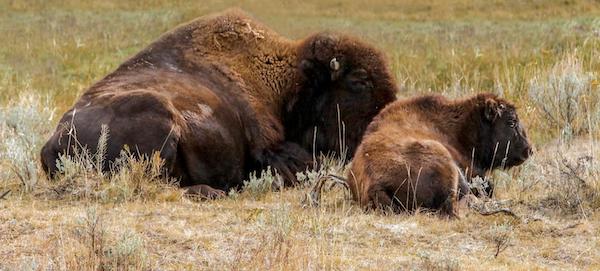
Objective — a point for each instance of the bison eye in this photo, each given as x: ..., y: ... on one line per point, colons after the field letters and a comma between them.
x: 358, y: 80
x: 512, y: 123
x: 359, y: 85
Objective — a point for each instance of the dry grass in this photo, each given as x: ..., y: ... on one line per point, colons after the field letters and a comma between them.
x: 541, y: 54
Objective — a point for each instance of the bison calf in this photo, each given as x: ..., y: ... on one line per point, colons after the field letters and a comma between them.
x: 415, y: 151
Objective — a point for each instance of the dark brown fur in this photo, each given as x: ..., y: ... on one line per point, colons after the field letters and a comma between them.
x: 223, y: 95
x: 415, y: 151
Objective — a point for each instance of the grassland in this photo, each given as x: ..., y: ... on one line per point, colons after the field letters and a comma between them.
x: 543, y: 55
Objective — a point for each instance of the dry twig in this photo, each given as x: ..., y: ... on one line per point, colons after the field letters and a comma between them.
x: 314, y: 197
x: 4, y: 195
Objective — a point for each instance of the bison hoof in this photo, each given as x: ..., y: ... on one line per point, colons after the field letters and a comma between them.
x: 204, y: 192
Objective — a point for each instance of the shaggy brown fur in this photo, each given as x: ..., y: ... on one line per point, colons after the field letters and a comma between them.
x: 223, y: 95
x: 415, y: 152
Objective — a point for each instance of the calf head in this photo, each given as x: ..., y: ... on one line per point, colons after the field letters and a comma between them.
x: 502, y: 140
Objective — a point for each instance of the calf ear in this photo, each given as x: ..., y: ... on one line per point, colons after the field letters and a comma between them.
x: 493, y: 110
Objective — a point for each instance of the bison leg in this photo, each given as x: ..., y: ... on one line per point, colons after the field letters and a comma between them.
x: 489, y: 190
x: 204, y: 192
x: 484, y: 189
x: 286, y: 159
x: 450, y: 207
x: 380, y: 199
x: 439, y: 188
x: 49, y: 156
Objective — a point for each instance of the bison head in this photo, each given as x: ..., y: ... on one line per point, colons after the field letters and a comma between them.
x: 343, y: 84
x: 503, y: 141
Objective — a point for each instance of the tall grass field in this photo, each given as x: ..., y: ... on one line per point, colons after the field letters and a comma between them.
x: 542, y: 55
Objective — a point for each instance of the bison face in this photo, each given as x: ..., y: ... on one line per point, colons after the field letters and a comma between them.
x: 503, y: 137
x: 344, y: 83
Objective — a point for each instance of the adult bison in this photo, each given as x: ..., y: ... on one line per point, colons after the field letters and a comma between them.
x: 415, y: 151
x: 223, y: 95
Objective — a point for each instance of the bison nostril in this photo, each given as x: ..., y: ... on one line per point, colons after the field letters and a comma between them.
x: 527, y: 152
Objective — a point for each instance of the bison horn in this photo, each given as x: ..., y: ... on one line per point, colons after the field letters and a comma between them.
x: 334, y: 64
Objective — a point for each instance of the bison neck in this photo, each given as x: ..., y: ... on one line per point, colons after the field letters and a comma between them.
x: 459, y: 138
x: 468, y: 135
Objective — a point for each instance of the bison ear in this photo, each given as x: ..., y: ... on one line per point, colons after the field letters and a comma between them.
x: 313, y: 72
x: 493, y: 110
x: 306, y: 66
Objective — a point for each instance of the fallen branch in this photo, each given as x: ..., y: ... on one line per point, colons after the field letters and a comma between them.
x: 505, y: 211
x: 483, y: 208
x: 575, y: 171
x: 314, y: 197
x: 571, y: 226
x: 4, y: 195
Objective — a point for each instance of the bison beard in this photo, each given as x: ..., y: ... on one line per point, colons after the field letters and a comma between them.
x: 416, y: 152
x: 223, y: 95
